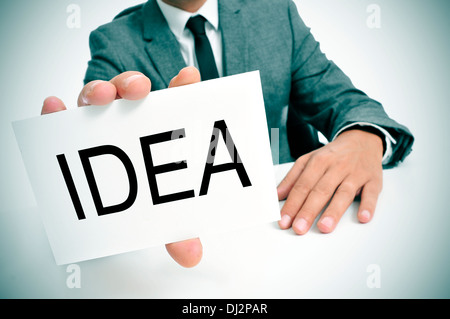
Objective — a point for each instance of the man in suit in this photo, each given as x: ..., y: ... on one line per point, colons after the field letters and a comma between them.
x: 145, y: 47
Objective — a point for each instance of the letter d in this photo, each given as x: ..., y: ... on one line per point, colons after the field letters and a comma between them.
x: 86, y: 154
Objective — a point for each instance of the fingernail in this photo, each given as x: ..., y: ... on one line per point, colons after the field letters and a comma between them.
x: 285, y: 221
x: 364, y: 216
x: 301, y: 225
x: 280, y: 193
x: 131, y: 79
x: 327, y: 222
x: 84, y: 98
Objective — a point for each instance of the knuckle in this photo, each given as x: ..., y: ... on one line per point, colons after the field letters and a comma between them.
x: 322, y: 191
x: 376, y: 187
x: 379, y: 182
x: 302, y: 189
x: 347, y: 188
x: 320, y: 158
x: 301, y: 162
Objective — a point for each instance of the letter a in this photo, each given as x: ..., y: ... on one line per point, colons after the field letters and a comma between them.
x: 73, y: 20
x: 74, y: 279
x: 236, y: 164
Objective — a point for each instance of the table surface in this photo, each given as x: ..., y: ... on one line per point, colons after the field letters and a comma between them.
x: 396, y: 255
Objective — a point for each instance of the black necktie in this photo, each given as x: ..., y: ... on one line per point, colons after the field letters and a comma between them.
x: 203, y: 51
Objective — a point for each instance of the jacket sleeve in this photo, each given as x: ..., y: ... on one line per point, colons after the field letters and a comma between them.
x: 326, y: 98
x: 105, y: 63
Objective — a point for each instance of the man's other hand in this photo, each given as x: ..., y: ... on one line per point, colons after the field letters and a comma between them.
x: 336, y: 173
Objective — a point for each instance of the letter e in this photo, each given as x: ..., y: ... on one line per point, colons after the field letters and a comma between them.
x: 153, y: 170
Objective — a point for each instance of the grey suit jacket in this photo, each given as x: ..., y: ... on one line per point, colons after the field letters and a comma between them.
x: 298, y: 80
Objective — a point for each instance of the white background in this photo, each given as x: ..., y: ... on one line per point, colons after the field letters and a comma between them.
x: 404, y: 64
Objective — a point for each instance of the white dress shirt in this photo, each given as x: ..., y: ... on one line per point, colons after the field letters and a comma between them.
x: 177, y: 19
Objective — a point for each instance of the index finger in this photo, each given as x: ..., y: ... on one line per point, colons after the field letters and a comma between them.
x: 52, y: 104
x: 131, y: 85
x: 291, y: 177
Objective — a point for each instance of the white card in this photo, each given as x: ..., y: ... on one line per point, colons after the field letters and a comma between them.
x: 133, y: 174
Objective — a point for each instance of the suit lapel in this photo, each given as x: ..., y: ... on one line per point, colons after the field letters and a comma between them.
x: 162, y: 47
x: 234, y: 37
x: 164, y: 51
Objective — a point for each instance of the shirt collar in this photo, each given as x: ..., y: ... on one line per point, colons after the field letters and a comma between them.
x: 177, y: 18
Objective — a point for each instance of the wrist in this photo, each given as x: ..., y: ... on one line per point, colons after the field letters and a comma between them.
x: 368, y: 137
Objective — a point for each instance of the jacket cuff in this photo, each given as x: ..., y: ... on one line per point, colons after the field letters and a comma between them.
x: 387, y: 138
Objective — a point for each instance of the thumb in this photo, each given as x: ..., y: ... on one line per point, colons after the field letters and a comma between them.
x: 188, y: 75
x: 187, y: 253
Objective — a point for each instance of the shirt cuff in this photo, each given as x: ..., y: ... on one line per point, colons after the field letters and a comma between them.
x: 389, y: 139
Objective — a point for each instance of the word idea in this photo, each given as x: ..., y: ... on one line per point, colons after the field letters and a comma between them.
x: 180, y: 163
